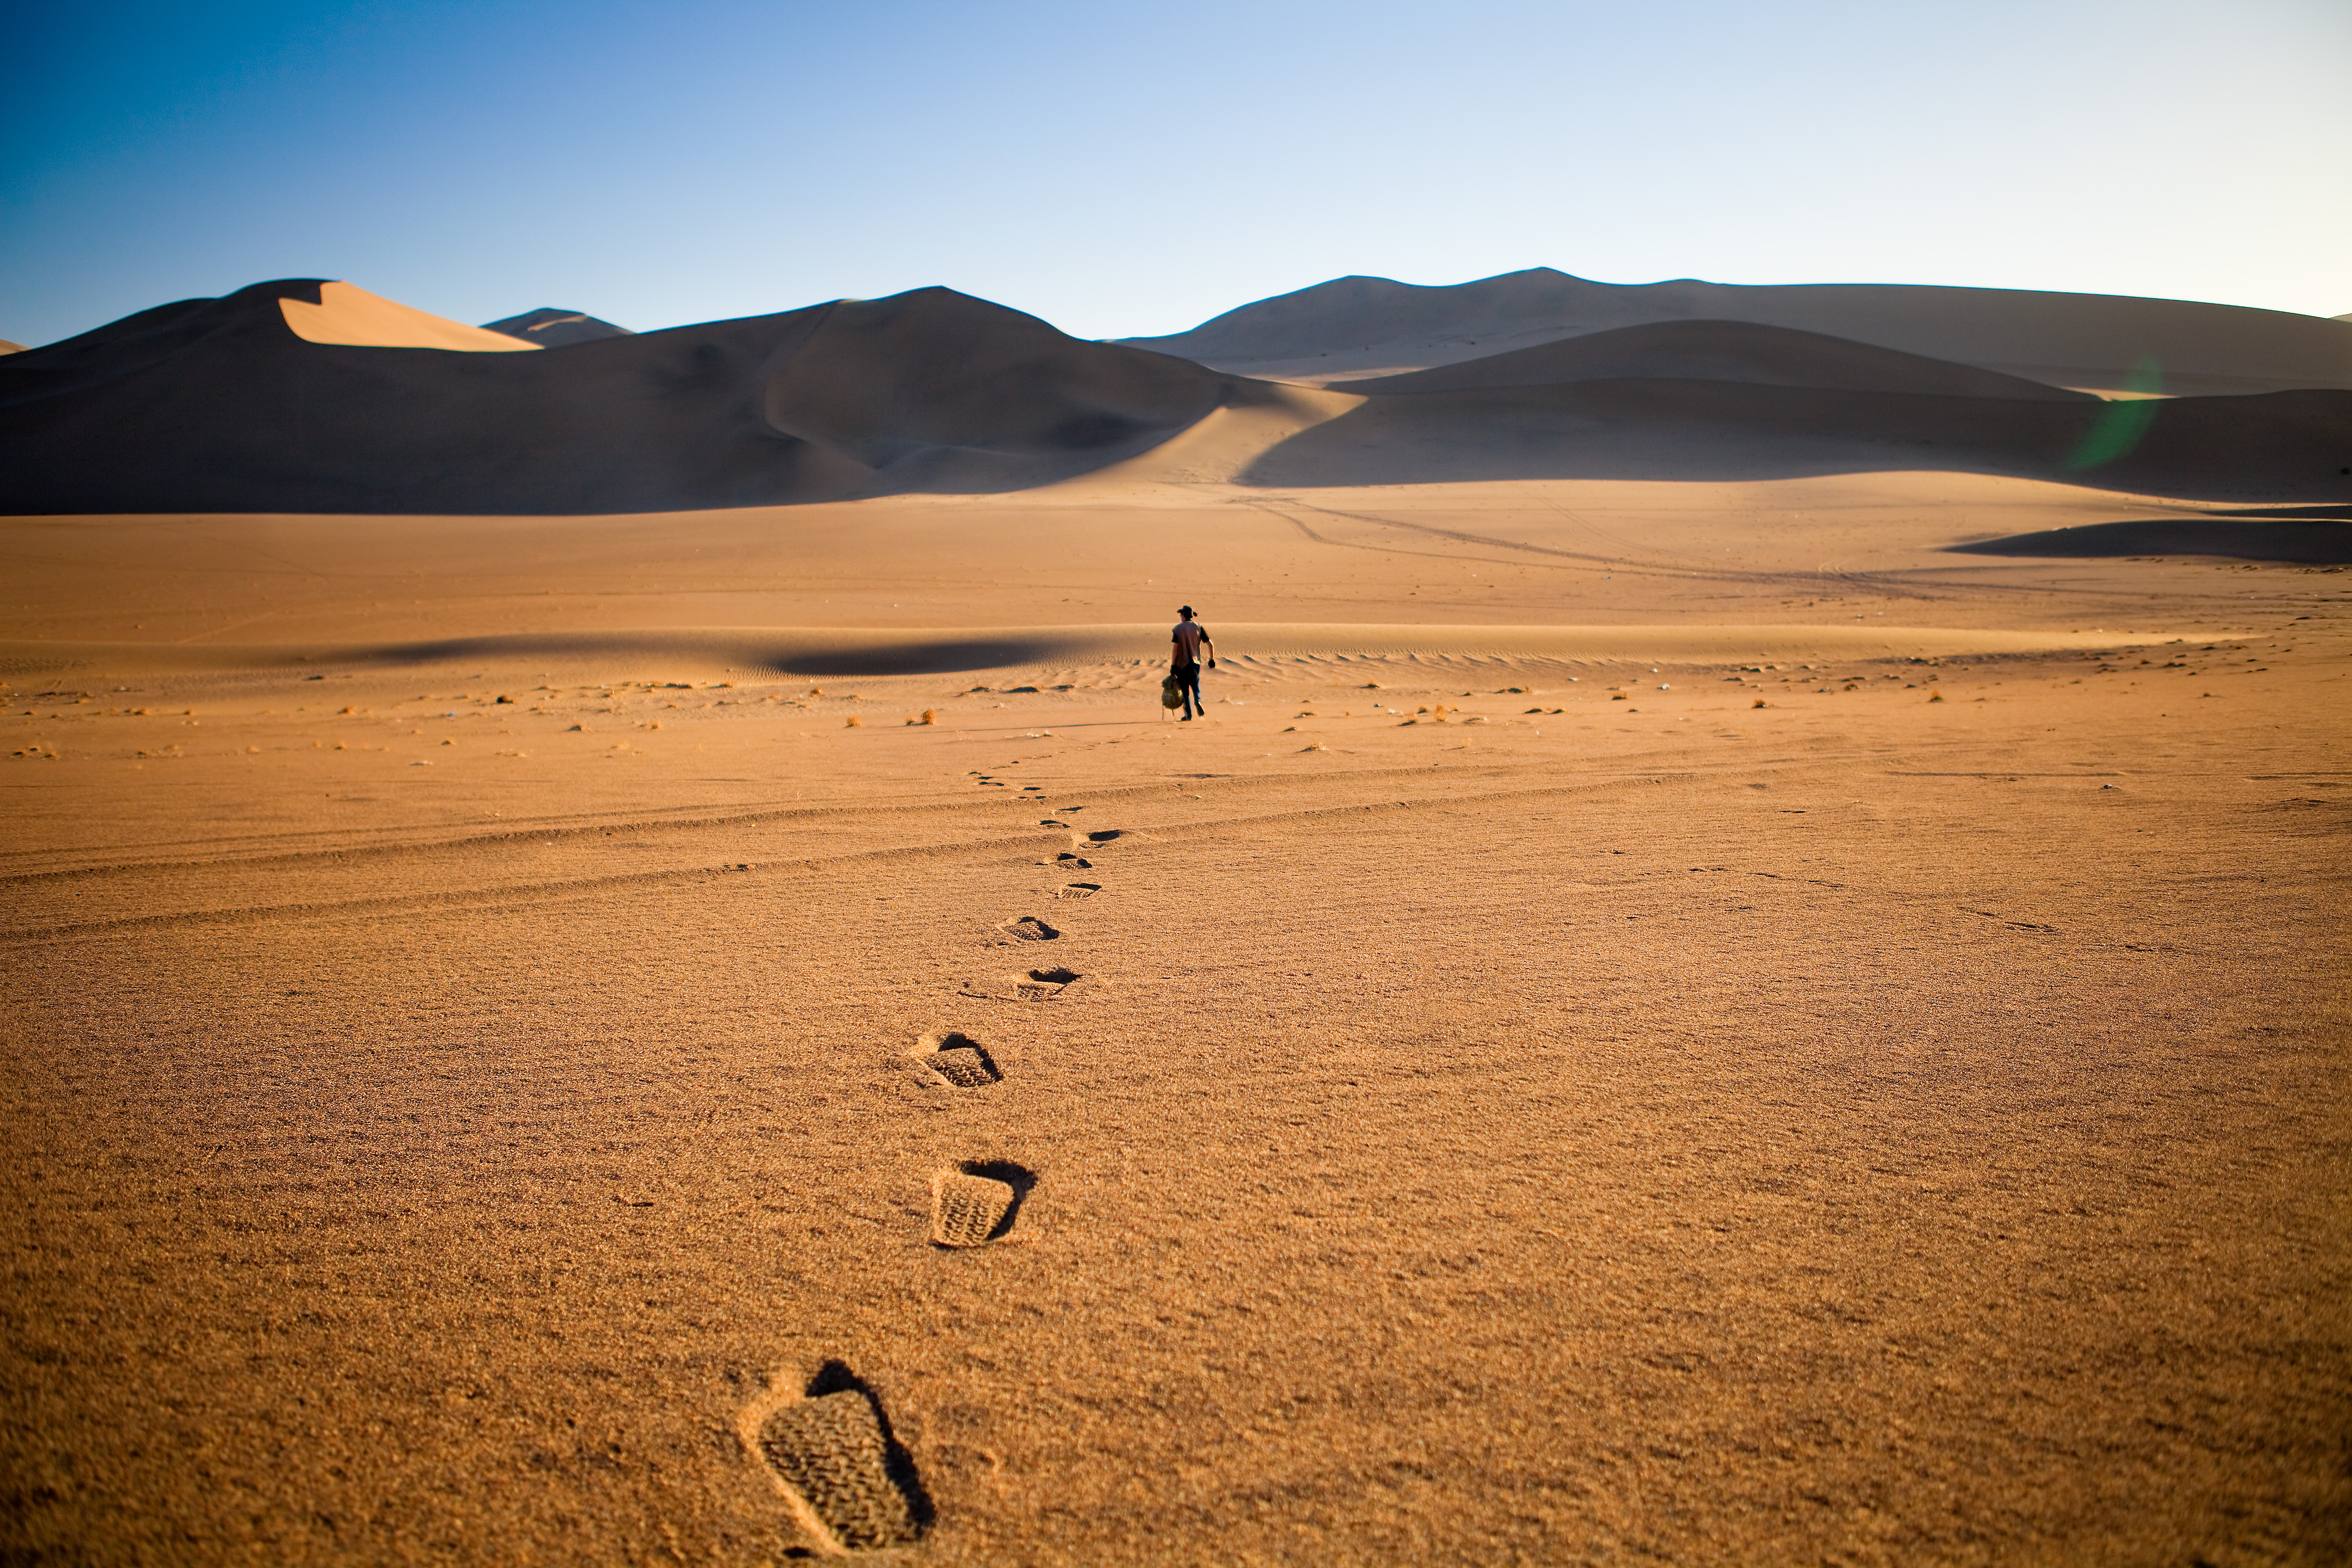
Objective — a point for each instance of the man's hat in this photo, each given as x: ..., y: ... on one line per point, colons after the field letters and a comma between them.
x: 1183, y: 609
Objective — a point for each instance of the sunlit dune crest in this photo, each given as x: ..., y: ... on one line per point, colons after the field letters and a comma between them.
x: 346, y: 313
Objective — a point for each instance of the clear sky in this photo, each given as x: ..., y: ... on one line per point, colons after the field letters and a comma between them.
x: 1130, y: 167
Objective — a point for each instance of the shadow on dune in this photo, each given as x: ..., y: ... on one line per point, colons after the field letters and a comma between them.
x: 846, y: 653
x: 2277, y: 445
x: 948, y: 656
x: 1742, y: 352
x: 2321, y: 536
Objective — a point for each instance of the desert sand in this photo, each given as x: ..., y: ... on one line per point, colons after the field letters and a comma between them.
x: 1788, y: 1011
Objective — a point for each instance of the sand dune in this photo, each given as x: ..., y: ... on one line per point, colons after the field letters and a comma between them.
x: 1370, y: 326
x: 1743, y: 351
x: 8, y: 348
x: 550, y: 327
x: 2285, y: 445
x: 314, y: 397
x: 344, y: 314
x: 951, y: 393
x: 220, y: 404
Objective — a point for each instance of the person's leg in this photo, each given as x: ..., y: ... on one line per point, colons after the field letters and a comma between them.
x: 1192, y: 690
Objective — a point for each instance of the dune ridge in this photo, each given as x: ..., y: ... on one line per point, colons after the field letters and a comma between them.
x: 346, y: 314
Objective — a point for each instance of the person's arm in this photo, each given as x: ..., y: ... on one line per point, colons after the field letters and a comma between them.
x: 1209, y: 647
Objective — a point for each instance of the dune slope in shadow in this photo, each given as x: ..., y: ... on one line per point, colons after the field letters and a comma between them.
x: 1354, y: 326
x: 1742, y: 352
x: 217, y: 405
x: 2279, y: 445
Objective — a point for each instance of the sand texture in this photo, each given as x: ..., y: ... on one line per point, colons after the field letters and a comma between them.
x: 1699, y: 1021
x: 609, y: 955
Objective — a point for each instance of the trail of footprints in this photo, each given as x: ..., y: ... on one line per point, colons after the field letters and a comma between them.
x: 850, y: 1484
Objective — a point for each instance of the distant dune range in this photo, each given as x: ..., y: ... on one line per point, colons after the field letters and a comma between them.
x: 1353, y: 327
x: 318, y: 397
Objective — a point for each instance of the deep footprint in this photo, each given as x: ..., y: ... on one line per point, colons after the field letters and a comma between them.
x: 1029, y: 928
x: 978, y: 1201
x: 964, y: 1062
x: 1044, y: 984
x: 1036, y: 986
x: 834, y: 1449
x: 1079, y: 891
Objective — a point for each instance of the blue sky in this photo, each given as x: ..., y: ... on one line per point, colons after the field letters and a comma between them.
x: 1134, y: 168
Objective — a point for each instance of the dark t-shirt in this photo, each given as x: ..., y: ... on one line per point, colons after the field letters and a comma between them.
x: 1188, y: 637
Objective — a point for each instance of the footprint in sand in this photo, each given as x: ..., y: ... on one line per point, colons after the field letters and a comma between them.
x: 851, y: 1485
x: 978, y: 1201
x: 1078, y: 889
x: 1028, y: 928
x: 1036, y: 986
x: 1043, y: 984
x: 963, y: 1061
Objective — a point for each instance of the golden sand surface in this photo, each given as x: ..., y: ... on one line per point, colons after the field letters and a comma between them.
x: 348, y: 314
x: 1671, y: 1023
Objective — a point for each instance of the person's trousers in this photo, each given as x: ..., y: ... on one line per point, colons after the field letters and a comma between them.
x: 1188, y: 681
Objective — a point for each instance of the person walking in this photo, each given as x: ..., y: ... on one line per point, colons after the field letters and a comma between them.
x: 1187, y: 643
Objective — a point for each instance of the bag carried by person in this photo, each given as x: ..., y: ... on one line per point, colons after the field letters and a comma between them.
x: 1171, y: 693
